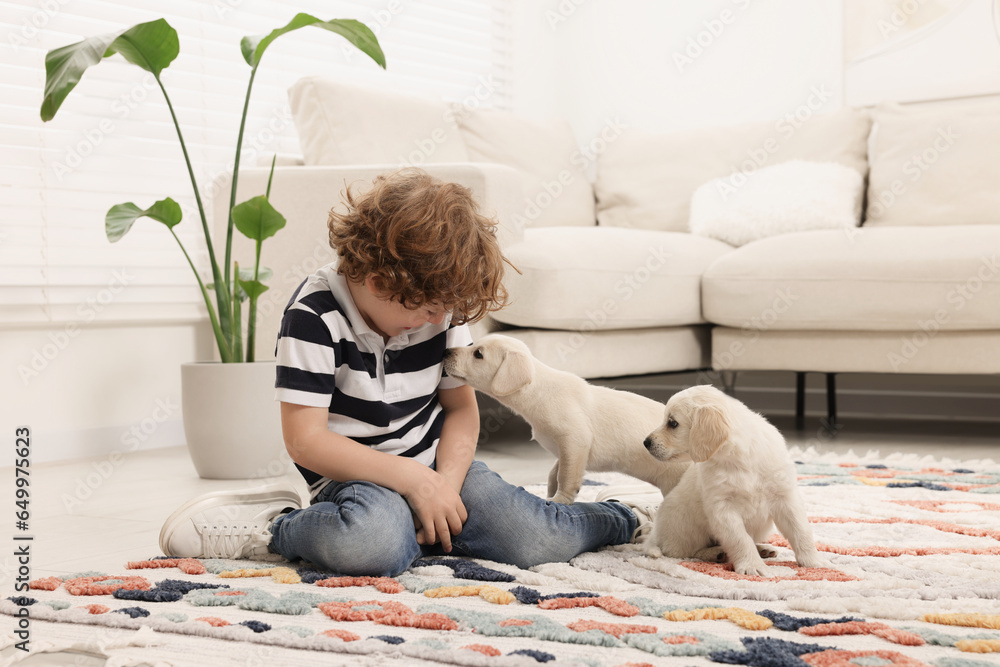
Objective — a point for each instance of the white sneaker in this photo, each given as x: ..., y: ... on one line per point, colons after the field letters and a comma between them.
x: 227, y: 524
x: 644, y: 501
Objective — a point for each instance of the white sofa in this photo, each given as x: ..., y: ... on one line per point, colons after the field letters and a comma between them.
x: 612, y: 283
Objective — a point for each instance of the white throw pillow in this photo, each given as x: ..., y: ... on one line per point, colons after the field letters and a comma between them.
x: 788, y: 197
x: 557, y: 192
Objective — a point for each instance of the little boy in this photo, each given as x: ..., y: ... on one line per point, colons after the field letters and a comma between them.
x: 384, y: 439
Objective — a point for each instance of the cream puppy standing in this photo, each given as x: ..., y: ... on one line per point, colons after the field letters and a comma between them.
x: 585, y: 426
x: 741, y: 484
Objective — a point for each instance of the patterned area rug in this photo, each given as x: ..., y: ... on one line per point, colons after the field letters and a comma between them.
x: 915, y: 546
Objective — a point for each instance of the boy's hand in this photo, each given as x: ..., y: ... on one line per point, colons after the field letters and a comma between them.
x: 438, y: 510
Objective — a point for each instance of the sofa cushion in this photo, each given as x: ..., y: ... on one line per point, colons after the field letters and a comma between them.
x: 646, y: 180
x: 935, y: 166
x: 344, y: 124
x: 618, y: 352
x: 793, y: 196
x: 882, y: 278
x: 587, y: 278
x: 556, y: 189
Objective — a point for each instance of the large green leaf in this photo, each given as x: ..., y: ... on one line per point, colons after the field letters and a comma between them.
x: 64, y: 67
x: 263, y: 274
x: 152, y: 46
x: 356, y: 32
x: 257, y: 219
x: 246, y: 276
x: 251, y: 288
x: 121, y: 217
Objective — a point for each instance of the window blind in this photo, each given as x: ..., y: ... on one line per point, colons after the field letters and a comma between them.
x: 113, y: 141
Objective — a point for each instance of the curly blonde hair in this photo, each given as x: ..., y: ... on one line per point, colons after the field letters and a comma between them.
x: 425, y: 241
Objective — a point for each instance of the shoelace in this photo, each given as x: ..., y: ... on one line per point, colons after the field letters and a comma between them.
x: 645, y: 516
x: 233, y: 540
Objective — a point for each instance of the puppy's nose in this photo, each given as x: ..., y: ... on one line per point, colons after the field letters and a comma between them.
x: 647, y: 443
x: 448, y: 352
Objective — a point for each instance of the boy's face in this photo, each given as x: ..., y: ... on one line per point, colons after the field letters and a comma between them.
x: 391, y: 318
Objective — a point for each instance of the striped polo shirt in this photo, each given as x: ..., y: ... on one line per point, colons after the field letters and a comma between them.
x: 383, y: 394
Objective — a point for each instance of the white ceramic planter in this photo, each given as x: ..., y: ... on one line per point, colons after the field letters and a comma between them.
x: 231, y: 420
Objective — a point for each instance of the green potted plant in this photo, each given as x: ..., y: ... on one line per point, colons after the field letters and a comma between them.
x: 221, y: 402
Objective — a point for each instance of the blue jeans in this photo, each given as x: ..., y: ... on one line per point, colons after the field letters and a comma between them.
x: 362, y: 529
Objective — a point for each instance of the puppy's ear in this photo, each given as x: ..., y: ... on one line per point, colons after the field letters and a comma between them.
x: 709, y: 429
x: 515, y: 371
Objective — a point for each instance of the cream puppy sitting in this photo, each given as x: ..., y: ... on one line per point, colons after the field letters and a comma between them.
x: 741, y: 484
x: 585, y: 426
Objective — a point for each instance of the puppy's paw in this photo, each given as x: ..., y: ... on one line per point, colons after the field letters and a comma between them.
x: 712, y: 555
x: 766, y: 551
x: 754, y: 569
x: 563, y: 498
x: 812, y: 560
x: 652, y: 550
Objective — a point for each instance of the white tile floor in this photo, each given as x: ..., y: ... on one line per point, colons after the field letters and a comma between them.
x: 88, y: 515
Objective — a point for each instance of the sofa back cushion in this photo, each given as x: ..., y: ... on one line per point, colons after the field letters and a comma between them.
x: 557, y: 191
x: 646, y: 180
x: 344, y: 124
x: 935, y: 166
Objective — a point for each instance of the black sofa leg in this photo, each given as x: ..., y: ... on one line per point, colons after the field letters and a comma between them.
x: 729, y: 382
x: 800, y: 400
x: 831, y: 425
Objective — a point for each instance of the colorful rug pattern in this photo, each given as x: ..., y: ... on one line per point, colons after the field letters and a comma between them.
x: 915, y: 548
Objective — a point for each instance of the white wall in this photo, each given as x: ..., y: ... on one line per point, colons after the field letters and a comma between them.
x: 88, y: 390
x: 665, y: 66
